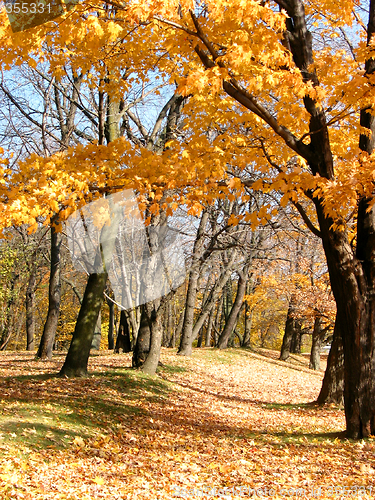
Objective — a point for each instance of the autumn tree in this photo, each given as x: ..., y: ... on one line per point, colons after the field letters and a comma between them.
x: 328, y: 96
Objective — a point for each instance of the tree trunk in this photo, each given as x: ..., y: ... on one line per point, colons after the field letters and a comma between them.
x: 296, y: 344
x: 95, y: 344
x: 75, y: 364
x: 168, y: 324
x: 153, y: 310
x: 352, y: 281
x: 123, y: 343
x: 213, y: 296
x: 317, y: 339
x: 177, y: 331
x: 218, y: 321
x: 200, y: 337
x: 210, y: 325
x: 7, y: 331
x: 111, y: 325
x: 142, y: 346
x: 30, y: 309
x: 233, y: 316
x: 248, y: 321
x: 289, y: 331
x: 332, y: 390
x: 54, y: 297
x: 134, y: 320
x: 186, y: 343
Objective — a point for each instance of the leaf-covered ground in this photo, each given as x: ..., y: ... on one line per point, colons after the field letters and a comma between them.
x: 221, y: 419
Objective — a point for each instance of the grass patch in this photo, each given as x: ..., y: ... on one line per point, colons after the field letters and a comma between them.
x: 225, y: 357
x: 171, y: 369
x: 45, y: 411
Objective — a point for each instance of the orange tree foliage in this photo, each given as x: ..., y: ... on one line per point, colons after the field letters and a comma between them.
x: 215, y: 52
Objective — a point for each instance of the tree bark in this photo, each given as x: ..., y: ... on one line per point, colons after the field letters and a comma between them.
x: 167, y: 324
x: 186, y: 343
x: 30, y: 308
x: 200, y: 337
x: 177, y: 331
x: 54, y: 296
x: 134, y: 320
x: 210, y: 325
x: 153, y: 311
x: 218, y: 321
x: 123, y: 343
x: 95, y: 344
x: 352, y: 273
x: 111, y: 325
x: 317, y: 338
x: 75, y: 364
x: 332, y: 390
x: 213, y: 296
x: 296, y: 344
x: 248, y: 322
x: 233, y: 316
x: 352, y: 285
x: 142, y: 346
x: 289, y: 331
x: 7, y: 331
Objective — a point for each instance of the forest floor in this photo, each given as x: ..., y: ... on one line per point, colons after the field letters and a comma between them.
x: 221, y: 424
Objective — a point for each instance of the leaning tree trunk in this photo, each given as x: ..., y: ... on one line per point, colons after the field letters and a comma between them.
x: 233, y: 316
x: 210, y: 325
x: 96, y: 340
x: 213, y: 296
x: 332, y: 390
x: 75, y: 364
x: 186, y: 343
x: 54, y: 297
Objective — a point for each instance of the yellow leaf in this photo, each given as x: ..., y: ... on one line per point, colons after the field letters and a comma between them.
x: 213, y: 466
x: 78, y: 441
x: 225, y: 468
